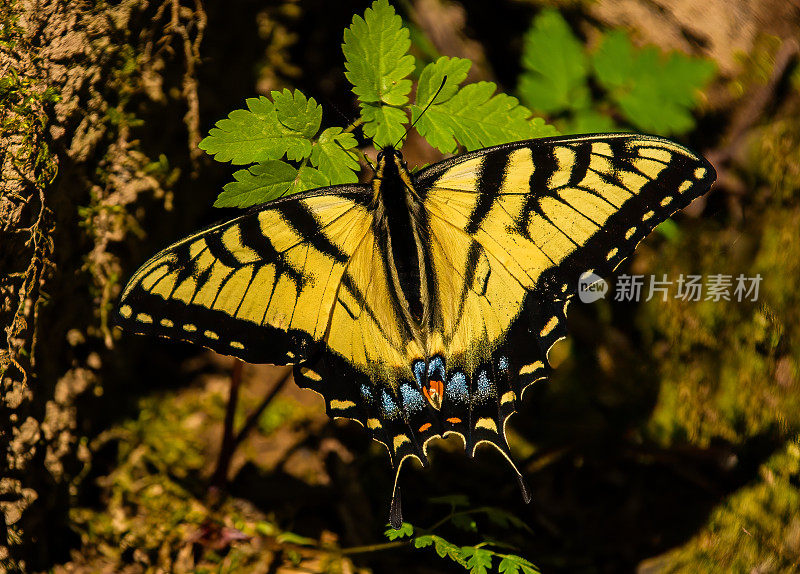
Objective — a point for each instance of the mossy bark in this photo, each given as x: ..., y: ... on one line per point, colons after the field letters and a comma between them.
x: 70, y: 74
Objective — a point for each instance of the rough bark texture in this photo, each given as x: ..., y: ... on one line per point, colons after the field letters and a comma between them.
x: 71, y: 174
x: 88, y: 91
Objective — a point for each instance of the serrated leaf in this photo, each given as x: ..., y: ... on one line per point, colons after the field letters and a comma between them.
x: 541, y: 129
x: 448, y: 549
x: 613, y: 60
x: 513, y: 564
x: 423, y: 541
x: 654, y: 92
x: 330, y: 154
x: 266, y: 181
x: 383, y: 124
x: 508, y: 566
x: 404, y: 531
x: 476, y: 118
x: 555, y: 66
x: 455, y: 69
x: 297, y: 113
x: 376, y: 56
x: 478, y: 559
x: 308, y: 178
x: 254, y: 135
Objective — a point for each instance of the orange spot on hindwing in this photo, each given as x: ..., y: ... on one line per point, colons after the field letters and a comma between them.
x: 434, y: 393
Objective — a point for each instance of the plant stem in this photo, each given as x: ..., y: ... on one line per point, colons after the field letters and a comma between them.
x: 374, y: 547
x: 251, y: 421
x: 220, y: 477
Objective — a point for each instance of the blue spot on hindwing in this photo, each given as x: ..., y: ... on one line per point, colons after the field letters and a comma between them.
x: 456, y: 388
x: 502, y: 363
x: 413, y: 400
x: 419, y: 373
x: 366, y: 394
x: 388, y: 406
x: 484, y: 390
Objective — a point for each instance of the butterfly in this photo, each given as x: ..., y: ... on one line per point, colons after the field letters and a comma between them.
x: 421, y: 305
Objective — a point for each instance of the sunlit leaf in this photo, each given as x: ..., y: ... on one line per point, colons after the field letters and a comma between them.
x: 256, y: 135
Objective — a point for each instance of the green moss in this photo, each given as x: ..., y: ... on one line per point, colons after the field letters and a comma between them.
x: 755, y: 529
x: 282, y: 412
x: 720, y: 359
x: 157, y: 513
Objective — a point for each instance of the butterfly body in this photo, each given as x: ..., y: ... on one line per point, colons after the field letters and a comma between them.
x: 399, y: 220
x: 424, y: 304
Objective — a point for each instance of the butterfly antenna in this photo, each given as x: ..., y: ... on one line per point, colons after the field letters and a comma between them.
x: 433, y: 99
x: 347, y: 119
x: 352, y: 125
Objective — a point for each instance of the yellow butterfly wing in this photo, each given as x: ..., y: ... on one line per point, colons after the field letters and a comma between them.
x: 261, y: 287
x: 299, y: 281
x: 512, y: 229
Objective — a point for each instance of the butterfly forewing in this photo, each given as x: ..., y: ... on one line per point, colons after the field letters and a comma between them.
x: 260, y: 287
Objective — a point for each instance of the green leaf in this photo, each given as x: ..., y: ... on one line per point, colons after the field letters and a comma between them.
x: 556, y: 69
x: 377, y: 63
x: 670, y: 230
x: 455, y: 69
x: 478, y: 559
x: 423, y: 541
x: 254, y: 135
x: 330, y: 154
x: 376, y: 56
x: 297, y: 113
x: 292, y: 538
x: 448, y: 549
x: 475, y: 118
x: 404, y: 531
x: 384, y: 125
x: 654, y: 92
x: 308, y: 178
x: 613, y: 60
x: 266, y: 181
x: 541, y: 129
x: 513, y: 564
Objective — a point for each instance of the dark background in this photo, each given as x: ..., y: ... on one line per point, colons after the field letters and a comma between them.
x: 665, y: 441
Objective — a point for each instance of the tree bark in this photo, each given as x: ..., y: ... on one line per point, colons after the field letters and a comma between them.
x: 71, y: 173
